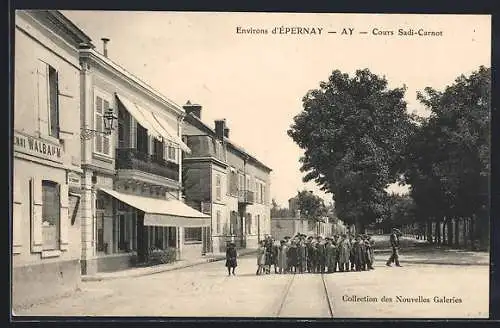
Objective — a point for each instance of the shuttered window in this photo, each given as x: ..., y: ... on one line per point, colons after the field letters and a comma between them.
x: 102, y: 143
x: 218, y: 223
x: 51, y: 212
x: 48, y: 100
x: 218, y: 187
x: 49, y: 215
x: 17, y: 218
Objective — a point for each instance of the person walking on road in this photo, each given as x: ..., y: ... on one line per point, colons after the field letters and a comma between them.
x: 231, y: 255
x: 394, y: 238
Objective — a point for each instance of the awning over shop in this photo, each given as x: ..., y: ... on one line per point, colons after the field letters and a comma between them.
x: 138, y: 114
x: 155, y: 125
x: 171, y: 132
x: 162, y: 212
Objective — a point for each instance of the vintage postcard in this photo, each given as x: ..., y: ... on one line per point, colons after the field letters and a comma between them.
x: 258, y: 165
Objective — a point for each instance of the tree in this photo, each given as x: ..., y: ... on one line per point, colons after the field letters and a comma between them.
x: 312, y: 207
x: 447, y: 161
x: 353, y: 131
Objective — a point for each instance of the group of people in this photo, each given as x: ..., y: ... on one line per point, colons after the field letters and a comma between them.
x: 300, y: 254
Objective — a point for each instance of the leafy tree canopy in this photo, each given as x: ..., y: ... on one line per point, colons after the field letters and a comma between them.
x: 353, y: 131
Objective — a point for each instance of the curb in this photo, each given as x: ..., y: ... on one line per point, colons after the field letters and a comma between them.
x: 160, y: 270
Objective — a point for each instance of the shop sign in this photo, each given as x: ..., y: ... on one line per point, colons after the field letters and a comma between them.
x: 30, y: 145
x: 74, y: 180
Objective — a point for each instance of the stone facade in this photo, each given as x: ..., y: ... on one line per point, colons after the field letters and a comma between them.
x: 232, y: 185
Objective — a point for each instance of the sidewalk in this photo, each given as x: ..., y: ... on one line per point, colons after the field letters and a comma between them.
x: 439, y: 256
x: 144, y: 271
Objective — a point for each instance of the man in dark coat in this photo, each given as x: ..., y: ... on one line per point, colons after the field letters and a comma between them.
x: 351, y: 255
x: 309, y: 247
x: 321, y: 260
x: 357, y: 252
x: 302, y: 256
x: 292, y: 257
x: 394, y: 238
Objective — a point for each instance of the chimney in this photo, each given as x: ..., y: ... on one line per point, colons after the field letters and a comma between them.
x: 226, y: 132
x: 195, y: 109
x: 105, y: 46
x: 220, y: 126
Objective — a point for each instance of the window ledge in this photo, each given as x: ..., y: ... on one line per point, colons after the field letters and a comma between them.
x: 51, y: 253
x: 103, y: 157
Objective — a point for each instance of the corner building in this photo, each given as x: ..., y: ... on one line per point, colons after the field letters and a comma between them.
x: 46, y: 213
x: 226, y: 182
x: 131, y: 200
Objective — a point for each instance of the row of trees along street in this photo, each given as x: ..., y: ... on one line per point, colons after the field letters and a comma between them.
x: 358, y: 138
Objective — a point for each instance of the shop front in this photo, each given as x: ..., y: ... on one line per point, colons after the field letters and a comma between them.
x: 132, y: 229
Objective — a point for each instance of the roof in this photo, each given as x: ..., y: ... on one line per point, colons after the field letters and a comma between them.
x: 62, y: 25
x: 123, y: 73
x: 192, y: 119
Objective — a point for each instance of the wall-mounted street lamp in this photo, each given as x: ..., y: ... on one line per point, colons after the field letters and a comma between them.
x: 109, y: 119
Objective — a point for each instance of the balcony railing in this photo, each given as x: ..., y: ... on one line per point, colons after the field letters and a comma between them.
x: 132, y: 159
x: 245, y: 197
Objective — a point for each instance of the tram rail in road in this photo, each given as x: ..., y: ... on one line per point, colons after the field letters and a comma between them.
x: 288, y: 287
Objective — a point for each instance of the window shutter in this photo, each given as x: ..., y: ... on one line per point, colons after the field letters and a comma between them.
x: 17, y: 219
x: 69, y: 122
x: 36, y: 215
x: 43, y: 98
x: 64, y: 217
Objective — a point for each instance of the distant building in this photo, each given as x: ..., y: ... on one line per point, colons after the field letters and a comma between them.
x: 225, y: 181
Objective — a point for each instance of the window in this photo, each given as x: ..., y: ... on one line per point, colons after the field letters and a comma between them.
x: 102, y: 142
x: 257, y: 192
x: 241, y: 185
x: 192, y: 234
x: 170, y: 153
x: 233, y: 223
x: 142, y: 140
x: 50, y: 215
x: 48, y: 99
x: 218, y: 222
x: 218, y: 187
x: 123, y: 128
x: 158, y: 150
x: 53, y: 102
x: 100, y: 232
x: 263, y: 194
x: 249, y: 224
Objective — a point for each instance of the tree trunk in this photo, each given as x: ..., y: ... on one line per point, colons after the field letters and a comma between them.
x: 471, y: 231
x: 443, y: 228
x: 449, y: 233
x: 464, y: 231
x: 437, y: 232
x: 457, y: 231
x: 428, y: 231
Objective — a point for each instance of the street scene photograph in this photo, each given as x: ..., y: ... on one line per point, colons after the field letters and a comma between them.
x: 250, y: 165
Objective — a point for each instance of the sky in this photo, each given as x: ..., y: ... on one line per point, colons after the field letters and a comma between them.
x: 257, y: 81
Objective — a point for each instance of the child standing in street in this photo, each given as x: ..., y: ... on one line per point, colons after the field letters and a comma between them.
x: 231, y: 256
